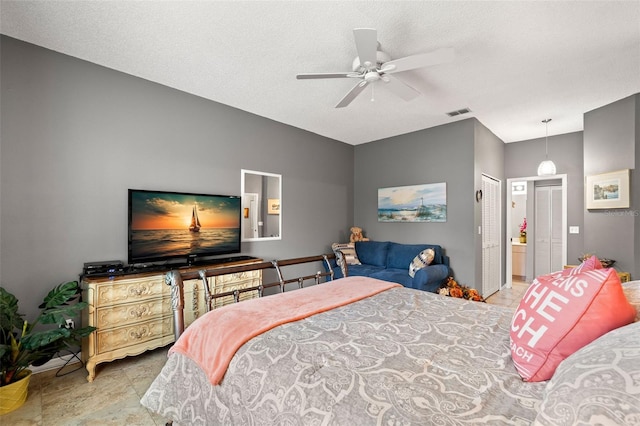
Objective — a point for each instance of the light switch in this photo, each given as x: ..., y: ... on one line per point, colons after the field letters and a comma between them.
x: 574, y: 229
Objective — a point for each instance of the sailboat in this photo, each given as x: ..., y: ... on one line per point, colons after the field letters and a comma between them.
x: 195, y: 222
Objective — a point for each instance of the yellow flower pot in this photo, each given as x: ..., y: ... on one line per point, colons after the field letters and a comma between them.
x: 523, y: 239
x: 14, y: 395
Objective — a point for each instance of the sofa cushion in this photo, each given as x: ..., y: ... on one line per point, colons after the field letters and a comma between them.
x: 363, y: 270
x: 559, y: 315
x: 400, y: 276
x: 430, y: 278
x: 373, y: 252
x: 424, y: 258
x: 401, y: 255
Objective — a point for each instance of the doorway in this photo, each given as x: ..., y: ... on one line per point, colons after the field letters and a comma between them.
x: 547, y: 255
x: 560, y: 232
x: 491, y: 231
x: 251, y: 215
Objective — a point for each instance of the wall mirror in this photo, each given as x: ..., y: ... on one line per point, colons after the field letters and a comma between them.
x: 261, y: 206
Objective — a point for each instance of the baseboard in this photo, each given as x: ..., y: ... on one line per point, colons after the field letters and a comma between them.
x: 57, y: 362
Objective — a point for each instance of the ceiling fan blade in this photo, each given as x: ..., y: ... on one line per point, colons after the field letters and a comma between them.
x: 349, y: 97
x: 366, y: 45
x: 420, y: 60
x: 400, y: 88
x: 304, y: 76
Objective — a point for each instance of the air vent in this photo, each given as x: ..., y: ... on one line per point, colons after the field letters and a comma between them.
x: 459, y: 112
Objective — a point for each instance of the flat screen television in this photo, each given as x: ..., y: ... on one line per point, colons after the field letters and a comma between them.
x: 167, y: 226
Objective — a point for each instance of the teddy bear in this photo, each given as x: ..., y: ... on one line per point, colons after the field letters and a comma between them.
x: 356, y: 235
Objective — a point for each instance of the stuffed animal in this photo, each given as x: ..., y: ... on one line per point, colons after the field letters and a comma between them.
x: 356, y: 235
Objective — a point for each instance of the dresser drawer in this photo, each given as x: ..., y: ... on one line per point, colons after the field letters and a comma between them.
x: 132, y: 290
x: 240, y: 276
x: 122, y: 337
x: 250, y: 279
x: 129, y: 313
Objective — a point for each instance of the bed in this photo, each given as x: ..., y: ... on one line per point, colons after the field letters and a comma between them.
x: 397, y: 357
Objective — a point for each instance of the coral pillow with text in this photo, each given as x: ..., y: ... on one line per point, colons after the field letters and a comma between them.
x: 560, y: 314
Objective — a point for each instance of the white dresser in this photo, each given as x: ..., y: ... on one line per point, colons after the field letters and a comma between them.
x: 132, y: 313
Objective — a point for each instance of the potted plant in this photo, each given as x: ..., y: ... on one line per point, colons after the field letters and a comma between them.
x: 523, y: 231
x: 24, y: 343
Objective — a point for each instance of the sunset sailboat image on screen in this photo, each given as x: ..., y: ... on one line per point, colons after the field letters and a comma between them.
x: 164, y: 225
x: 195, y: 222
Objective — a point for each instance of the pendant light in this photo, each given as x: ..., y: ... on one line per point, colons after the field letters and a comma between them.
x: 546, y: 168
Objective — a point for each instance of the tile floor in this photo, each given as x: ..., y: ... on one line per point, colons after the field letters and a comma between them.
x: 113, y: 398
x: 509, y: 297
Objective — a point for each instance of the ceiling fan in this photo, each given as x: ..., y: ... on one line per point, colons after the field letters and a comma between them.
x: 373, y: 65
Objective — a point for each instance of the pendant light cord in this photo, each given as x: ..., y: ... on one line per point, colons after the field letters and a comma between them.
x: 546, y: 139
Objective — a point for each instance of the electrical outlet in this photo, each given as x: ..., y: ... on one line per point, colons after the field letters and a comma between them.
x: 70, y: 324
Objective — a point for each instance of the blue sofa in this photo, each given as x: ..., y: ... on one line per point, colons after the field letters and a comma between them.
x: 389, y: 261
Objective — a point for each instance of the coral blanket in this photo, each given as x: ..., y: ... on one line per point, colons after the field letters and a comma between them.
x: 212, y: 340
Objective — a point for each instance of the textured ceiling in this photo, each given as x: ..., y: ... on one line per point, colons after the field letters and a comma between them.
x: 516, y: 62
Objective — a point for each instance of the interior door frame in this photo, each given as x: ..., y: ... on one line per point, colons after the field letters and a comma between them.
x: 563, y: 178
x: 498, y: 222
x: 250, y: 201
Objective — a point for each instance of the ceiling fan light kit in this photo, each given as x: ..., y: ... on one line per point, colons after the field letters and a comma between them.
x: 373, y: 65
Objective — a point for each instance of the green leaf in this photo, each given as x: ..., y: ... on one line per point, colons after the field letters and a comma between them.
x: 41, y: 338
x: 58, y: 314
x: 61, y: 294
x: 4, y: 349
x: 10, y: 319
x: 79, y: 333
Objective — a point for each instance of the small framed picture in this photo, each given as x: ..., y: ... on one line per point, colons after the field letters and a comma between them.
x: 607, y: 190
x: 274, y: 206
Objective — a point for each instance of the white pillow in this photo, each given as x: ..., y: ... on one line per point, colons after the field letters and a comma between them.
x: 423, y: 259
x: 348, y: 250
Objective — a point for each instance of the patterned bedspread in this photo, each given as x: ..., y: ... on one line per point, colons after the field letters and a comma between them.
x: 402, y: 357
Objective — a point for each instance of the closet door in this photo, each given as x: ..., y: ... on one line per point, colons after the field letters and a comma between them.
x: 491, y: 240
x: 548, y: 230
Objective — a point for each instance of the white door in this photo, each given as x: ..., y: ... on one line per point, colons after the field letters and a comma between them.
x: 491, y: 239
x: 548, y: 230
x: 250, y: 217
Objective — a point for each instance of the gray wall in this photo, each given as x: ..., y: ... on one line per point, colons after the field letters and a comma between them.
x: 611, y: 142
x: 75, y: 136
x: 522, y: 160
x: 439, y: 154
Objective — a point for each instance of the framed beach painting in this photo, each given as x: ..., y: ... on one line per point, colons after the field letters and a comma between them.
x: 413, y: 203
x: 608, y: 190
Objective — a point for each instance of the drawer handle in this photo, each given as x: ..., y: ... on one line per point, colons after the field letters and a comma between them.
x: 138, y: 334
x: 139, y: 291
x: 139, y: 312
